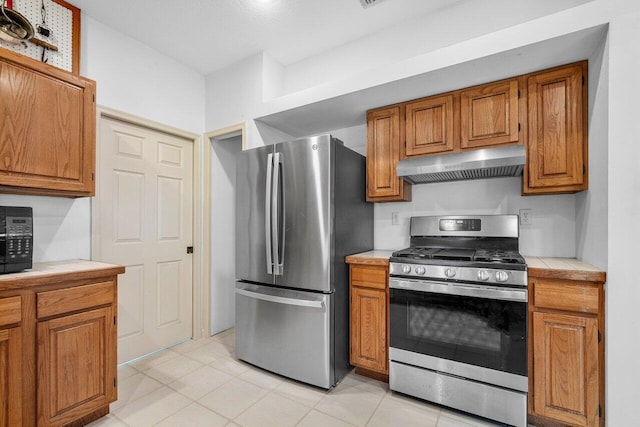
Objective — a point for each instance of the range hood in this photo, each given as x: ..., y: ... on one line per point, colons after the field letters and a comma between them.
x: 472, y: 164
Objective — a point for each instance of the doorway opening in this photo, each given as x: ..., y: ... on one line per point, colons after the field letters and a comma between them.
x: 224, y: 149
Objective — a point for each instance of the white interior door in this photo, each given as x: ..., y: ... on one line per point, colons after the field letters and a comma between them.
x: 144, y: 221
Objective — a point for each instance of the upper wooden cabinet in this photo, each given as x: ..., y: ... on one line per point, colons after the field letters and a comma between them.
x: 430, y: 126
x: 545, y: 110
x: 47, y: 133
x: 489, y: 114
x: 385, y: 132
x: 557, y: 142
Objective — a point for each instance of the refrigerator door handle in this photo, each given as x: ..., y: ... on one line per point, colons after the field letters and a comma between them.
x: 267, y: 213
x: 275, y: 214
x: 280, y: 300
x: 281, y: 215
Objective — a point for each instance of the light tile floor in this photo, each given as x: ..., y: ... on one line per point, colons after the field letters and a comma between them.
x: 200, y: 383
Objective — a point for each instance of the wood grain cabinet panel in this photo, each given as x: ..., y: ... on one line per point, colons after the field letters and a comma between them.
x: 430, y: 126
x: 60, y: 368
x: 76, y: 365
x: 11, y: 379
x: 47, y: 135
x: 384, y: 138
x: 566, y: 367
x: 369, y: 334
x: 566, y: 356
x: 557, y: 141
x: 489, y: 114
x: 368, y: 329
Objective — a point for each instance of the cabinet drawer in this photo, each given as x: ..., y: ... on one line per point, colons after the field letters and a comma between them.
x: 10, y: 310
x: 566, y: 295
x: 369, y: 276
x: 51, y: 303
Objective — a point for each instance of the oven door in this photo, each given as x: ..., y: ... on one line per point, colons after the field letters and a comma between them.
x: 474, y: 331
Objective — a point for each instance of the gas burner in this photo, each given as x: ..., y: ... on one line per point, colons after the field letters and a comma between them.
x: 499, y: 256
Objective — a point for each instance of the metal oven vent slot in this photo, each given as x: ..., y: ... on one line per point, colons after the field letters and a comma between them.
x: 461, y: 175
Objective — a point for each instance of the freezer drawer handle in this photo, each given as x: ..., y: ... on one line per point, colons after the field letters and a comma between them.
x: 281, y: 300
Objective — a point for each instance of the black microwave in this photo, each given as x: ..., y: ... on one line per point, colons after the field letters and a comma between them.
x: 16, y: 239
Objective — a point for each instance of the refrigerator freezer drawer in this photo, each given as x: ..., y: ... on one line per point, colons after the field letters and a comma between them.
x: 286, y: 332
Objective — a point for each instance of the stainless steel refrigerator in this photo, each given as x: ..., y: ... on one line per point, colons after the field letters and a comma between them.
x: 300, y: 209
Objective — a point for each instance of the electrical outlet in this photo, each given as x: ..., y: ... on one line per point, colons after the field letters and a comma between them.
x: 395, y: 218
x: 526, y: 217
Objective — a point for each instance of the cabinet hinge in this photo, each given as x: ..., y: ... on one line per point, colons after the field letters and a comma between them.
x: 599, y: 411
x: 519, y: 127
x: 93, y: 176
x: 519, y: 94
x: 115, y: 321
x: 189, y: 249
x: 582, y: 80
x: 584, y: 169
x: 115, y: 382
x: 599, y: 336
x: 94, y: 97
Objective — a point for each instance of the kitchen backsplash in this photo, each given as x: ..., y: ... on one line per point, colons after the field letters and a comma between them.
x: 552, y: 232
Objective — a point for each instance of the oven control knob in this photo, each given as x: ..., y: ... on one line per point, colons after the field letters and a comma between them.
x: 450, y: 272
x: 406, y: 269
x: 483, y: 275
x: 502, y: 276
x: 420, y: 270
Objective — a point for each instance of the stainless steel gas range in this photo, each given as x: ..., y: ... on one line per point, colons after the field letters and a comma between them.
x: 458, y: 316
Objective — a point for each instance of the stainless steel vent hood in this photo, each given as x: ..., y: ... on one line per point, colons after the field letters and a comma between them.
x: 472, y: 164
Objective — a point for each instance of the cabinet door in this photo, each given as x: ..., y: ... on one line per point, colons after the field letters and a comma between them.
x: 384, y: 139
x: 11, y: 377
x: 557, y: 141
x: 47, y: 138
x: 429, y: 126
x: 369, y: 329
x: 76, y: 365
x: 566, y: 368
x: 489, y: 114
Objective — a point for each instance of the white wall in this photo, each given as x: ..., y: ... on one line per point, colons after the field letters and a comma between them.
x: 61, y: 226
x: 551, y: 234
x: 223, y: 232
x: 591, y: 205
x: 130, y: 77
x: 134, y: 78
x: 415, y: 36
x: 623, y: 292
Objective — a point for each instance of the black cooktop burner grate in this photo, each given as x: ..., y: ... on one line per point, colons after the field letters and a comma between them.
x: 460, y: 254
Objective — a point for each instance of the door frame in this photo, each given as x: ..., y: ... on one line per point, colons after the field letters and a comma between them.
x: 206, y: 149
x: 200, y: 323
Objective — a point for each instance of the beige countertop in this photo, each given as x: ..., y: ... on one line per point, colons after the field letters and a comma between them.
x: 563, y: 268
x: 374, y: 257
x: 56, y: 271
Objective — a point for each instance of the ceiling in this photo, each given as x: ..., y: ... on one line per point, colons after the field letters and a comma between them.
x: 208, y: 35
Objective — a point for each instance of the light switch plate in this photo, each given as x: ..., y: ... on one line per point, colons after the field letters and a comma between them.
x: 395, y: 218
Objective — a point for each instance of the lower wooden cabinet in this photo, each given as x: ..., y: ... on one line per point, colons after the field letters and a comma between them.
x: 567, y: 347
x: 369, y: 338
x: 11, y: 381
x: 58, y: 346
x: 10, y: 377
x: 76, y: 365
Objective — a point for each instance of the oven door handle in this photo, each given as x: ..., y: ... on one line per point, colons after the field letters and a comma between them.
x: 461, y: 289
